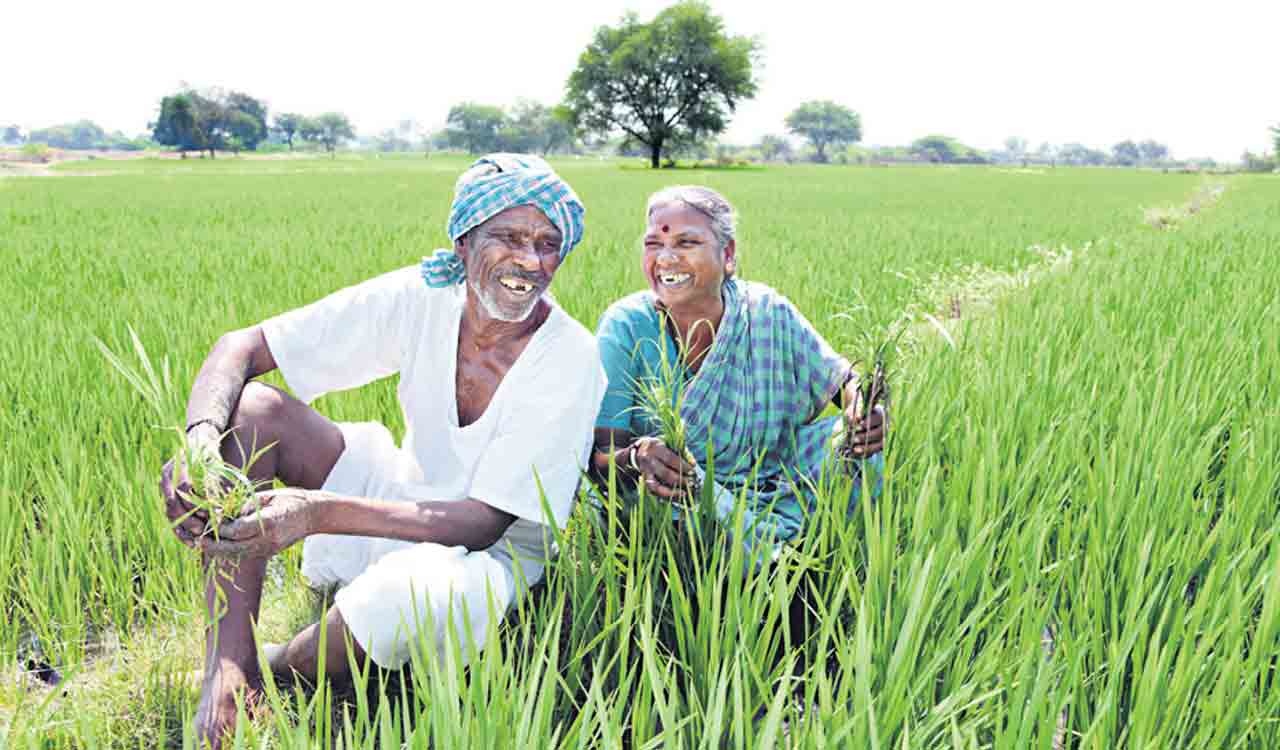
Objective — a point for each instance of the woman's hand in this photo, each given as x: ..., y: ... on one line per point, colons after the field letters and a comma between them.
x: 663, y: 472
x: 273, y: 521
x: 868, y: 431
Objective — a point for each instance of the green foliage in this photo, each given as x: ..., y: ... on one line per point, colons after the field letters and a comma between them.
x: 1126, y: 153
x: 825, y: 124
x: 529, y: 127
x: 1094, y: 458
x: 944, y: 150
x: 79, y: 135
x: 210, y: 120
x: 287, y: 125
x: 1153, y: 152
x: 327, y: 130
x: 775, y: 148
x: 1079, y: 155
x: 677, y: 78
x: 475, y: 127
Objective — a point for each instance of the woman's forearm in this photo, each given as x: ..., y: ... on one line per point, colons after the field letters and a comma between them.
x: 470, y: 523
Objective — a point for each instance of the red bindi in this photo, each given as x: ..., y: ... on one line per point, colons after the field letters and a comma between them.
x: 666, y: 227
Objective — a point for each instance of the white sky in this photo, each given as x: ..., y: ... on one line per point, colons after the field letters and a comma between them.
x: 1199, y: 76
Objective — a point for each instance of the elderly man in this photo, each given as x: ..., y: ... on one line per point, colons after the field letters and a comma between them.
x: 499, y: 388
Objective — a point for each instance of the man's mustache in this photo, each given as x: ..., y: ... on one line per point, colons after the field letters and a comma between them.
x: 536, y: 279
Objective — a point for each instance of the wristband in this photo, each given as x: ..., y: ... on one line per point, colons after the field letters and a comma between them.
x: 199, y: 422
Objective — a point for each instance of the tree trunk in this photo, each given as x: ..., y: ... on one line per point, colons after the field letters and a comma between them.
x: 655, y: 154
x: 822, y: 151
x: 211, y: 155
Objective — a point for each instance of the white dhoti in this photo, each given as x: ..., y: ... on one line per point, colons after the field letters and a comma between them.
x: 392, y: 590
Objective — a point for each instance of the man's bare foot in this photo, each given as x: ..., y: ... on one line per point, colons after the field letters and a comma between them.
x: 219, y: 702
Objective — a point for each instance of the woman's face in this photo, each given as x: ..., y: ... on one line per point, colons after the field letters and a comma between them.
x: 683, y: 261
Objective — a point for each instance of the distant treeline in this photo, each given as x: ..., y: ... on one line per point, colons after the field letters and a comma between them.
x: 213, y: 121
x: 664, y: 89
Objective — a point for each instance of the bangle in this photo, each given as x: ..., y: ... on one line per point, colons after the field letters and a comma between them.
x: 199, y: 422
x: 631, y: 458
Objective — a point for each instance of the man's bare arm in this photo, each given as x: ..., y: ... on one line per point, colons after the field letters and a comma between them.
x: 470, y: 523
x: 278, y: 519
x: 236, y: 358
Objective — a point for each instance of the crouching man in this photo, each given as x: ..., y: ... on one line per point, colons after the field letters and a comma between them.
x: 499, y: 388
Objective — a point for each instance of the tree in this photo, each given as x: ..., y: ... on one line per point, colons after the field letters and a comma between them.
x: 946, y: 150
x: 1047, y: 153
x: 536, y: 128
x: 246, y: 119
x: 328, y: 130
x: 1126, y: 153
x: 825, y: 123
x: 1081, y: 155
x: 1016, y: 148
x: 775, y: 148
x: 679, y: 76
x: 81, y: 135
x: 934, y: 148
x: 287, y: 124
x: 475, y: 127
x: 176, y: 126
x: 190, y: 121
x: 209, y: 120
x: 1153, y: 152
x: 1275, y: 135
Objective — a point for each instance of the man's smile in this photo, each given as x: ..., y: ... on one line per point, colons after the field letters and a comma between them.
x: 516, y: 285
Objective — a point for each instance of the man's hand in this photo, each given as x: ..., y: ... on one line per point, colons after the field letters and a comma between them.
x: 274, y: 520
x: 177, y: 489
x: 867, y: 435
x: 663, y: 472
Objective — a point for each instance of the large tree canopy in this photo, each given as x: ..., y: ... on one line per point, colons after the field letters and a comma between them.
x: 328, y: 130
x: 475, y: 127
x: 210, y: 120
x: 81, y: 134
x: 945, y: 150
x: 287, y: 124
x: 676, y: 78
x: 825, y: 123
x: 1126, y: 153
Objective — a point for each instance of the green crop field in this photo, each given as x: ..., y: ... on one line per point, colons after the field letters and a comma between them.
x: 1078, y: 543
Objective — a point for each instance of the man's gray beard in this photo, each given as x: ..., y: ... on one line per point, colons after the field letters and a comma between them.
x: 493, y: 310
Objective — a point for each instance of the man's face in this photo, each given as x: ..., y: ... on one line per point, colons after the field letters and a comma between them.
x: 510, y: 260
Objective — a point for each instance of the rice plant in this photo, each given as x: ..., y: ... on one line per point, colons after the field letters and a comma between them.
x: 220, y: 491
x: 1098, y: 457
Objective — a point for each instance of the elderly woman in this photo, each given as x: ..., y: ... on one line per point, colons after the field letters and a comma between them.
x: 755, y: 373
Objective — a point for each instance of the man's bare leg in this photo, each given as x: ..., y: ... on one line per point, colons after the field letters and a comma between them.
x: 306, y: 447
x: 230, y: 658
x: 302, y: 653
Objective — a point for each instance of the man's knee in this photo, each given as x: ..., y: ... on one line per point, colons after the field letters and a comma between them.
x: 261, y: 408
x: 287, y: 438
x: 256, y: 423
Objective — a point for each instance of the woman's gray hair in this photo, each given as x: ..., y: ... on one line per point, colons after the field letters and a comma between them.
x: 704, y: 200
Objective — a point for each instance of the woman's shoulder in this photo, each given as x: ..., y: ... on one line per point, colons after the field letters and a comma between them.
x: 762, y: 298
x: 632, y: 311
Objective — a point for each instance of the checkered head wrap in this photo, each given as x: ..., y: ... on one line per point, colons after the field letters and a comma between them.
x: 493, y: 184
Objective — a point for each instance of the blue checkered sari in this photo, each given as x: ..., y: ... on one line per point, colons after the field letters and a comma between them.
x: 757, y: 399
